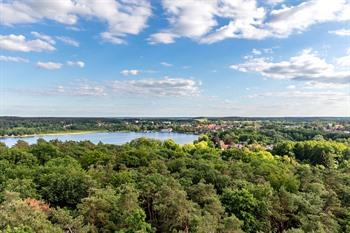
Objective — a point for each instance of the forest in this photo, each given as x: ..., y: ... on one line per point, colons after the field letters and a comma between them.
x: 153, y: 186
x: 272, y: 128
x: 19, y: 126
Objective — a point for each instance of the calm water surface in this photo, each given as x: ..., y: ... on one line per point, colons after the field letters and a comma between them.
x: 110, y: 138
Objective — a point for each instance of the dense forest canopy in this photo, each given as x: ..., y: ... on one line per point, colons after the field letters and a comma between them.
x: 253, y: 177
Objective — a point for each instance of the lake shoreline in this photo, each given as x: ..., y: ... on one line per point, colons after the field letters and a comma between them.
x: 52, y: 134
x: 86, y: 132
x: 117, y: 138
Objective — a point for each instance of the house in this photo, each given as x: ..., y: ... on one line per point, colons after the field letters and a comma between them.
x: 166, y: 130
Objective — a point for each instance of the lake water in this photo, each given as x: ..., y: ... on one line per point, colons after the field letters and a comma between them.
x: 110, y: 138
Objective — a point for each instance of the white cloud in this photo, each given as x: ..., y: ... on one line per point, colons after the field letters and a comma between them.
x: 290, y: 19
x: 307, y: 65
x: 165, y: 87
x: 86, y: 89
x: 326, y: 86
x: 162, y: 37
x: 274, y: 1
x: 80, y: 64
x: 109, y: 37
x: 15, y: 12
x: 49, y: 65
x: 248, y: 19
x: 130, y: 72
x: 245, y: 21
x: 68, y: 41
x: 256, y: 52
x: 166, y: 64
x: 49, y: 39
x: 190, y: 18
x: 43, y: 37
x: 341, y: 32
x: 158, y: 87
x: 122, y: 17
x: 19, y: 43
x: 201, y: 21
x: 197, y: 20
x: 80, y: 88
x: 13, y: 59
x: 344, y: 61
x: 76, y: 29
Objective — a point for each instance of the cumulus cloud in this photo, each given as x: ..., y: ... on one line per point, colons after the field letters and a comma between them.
x: 197, y: 20
x: 68, y: 41
x: 289, y: 19
x: 202, y: 21
x: 20, y: 43
x: 49, y: 65
x: 13, y: 59
x: 130, y: 72
x: 122, y: 17
x: 15, y: 12
x: 307, y: 65
x: 341, y: 32
x: 344, y: 61
x: 162, y: 37
x: 44, y: 37
x: 190, y: 18
x: 80, y: 64
x: 248, y: 19
x: 158, y: 87
x: 50, y: 39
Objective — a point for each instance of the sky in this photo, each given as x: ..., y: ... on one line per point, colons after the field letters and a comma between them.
x: 159, y: 58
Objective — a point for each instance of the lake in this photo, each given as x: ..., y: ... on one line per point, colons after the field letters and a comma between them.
x: 109, y: 138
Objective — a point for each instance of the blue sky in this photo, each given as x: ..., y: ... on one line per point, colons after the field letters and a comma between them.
x: 175, y: 58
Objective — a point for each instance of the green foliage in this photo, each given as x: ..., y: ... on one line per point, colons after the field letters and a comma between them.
x: 245, y: 206
x: 114, y: 211
x: 68, y: 223
x: 62, y: 182
x: 24, y: 187
x: 17, y: 216
x: 150, y: 186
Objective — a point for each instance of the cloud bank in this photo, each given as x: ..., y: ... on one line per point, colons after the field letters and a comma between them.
x: 122, y: 17
x: 307, y: 65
